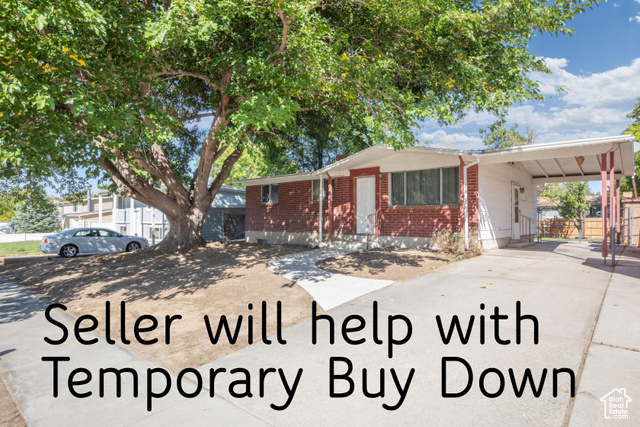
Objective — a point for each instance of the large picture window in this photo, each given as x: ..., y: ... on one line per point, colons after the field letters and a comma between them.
x: 270, y: 193
x: 425, y: 187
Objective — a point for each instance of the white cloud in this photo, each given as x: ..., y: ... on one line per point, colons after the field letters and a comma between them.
x: 616, y: 5
x: 440, y: 138
x: 594, y: 105
x: 635, y: 18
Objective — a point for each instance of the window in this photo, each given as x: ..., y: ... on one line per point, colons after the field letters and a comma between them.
x: 123, y: 229
x: 138, y: 204
x: 315, y: 190
x: 86, y: 233
x: 123, y: 202
x: 107, y: 233
x: 157, y: 233
x: 75, y: 207
x: 425, y: 187
x: 270, y: 193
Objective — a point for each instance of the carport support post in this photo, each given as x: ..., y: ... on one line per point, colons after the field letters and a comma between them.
x: 618, y: 217
x: 603, y: 172
x: 612, y: 195
x: 320, y: 197
x: 612, y: 207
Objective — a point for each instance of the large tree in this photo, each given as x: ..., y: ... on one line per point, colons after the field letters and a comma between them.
x: 498, y: 136
x: 626, y: 183
x: 118, y: 84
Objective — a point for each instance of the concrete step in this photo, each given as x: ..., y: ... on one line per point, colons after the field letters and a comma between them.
x: 354, y: 242
x: 520, y: 240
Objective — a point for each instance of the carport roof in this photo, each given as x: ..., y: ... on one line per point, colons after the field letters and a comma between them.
x: 576, y: 160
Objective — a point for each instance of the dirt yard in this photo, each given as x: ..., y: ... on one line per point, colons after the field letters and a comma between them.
x: 386, y: 263
x: 9, y: 414
x: 221, y: 279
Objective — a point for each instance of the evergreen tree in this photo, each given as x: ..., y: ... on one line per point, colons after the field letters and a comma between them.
x: 37, y: 214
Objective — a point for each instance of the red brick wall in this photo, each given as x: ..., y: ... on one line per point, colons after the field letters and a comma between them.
x: 295, y: 212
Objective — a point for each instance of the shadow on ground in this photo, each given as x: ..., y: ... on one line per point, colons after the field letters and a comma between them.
x: 142, y: 274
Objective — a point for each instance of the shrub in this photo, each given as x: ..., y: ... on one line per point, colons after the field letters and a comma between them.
x: 452, y: 242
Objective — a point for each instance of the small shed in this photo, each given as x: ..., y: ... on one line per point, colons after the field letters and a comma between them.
x: 225, y: 217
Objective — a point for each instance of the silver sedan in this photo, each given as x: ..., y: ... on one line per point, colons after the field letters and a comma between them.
x: 70, y: 243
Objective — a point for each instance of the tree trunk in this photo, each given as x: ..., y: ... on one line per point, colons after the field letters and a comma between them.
x: 185, y: 232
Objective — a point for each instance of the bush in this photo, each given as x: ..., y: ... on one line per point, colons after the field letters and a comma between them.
x: 452, y: 242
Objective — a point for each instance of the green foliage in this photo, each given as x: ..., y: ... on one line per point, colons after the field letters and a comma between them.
x: 71, y: 71
x: 258, y: 161
x: 35, y: 217
x: 497, y: 136
x: 550, y: 190
x: 633, y: 129
x: 572, y: 202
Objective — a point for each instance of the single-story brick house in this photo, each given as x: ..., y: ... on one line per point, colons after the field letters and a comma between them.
x: 402, y: 197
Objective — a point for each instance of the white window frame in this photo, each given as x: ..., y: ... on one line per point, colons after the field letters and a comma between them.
x: 390, y: 186
x: 270, y: 201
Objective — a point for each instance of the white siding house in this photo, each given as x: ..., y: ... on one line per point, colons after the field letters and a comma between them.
x: 129, y: 216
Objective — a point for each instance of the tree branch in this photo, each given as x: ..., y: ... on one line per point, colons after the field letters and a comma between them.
x: 285, y: 29
x: 225, y: 170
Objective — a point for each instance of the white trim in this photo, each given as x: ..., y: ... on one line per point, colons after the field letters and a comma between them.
x: 582, y: 178
x: 503, y: 155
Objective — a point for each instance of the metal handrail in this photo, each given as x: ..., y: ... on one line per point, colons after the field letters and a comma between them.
x: 370, y: 226
x: 527, y: 228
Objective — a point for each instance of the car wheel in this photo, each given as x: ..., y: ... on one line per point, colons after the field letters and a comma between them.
x: 133, y: 246
x: 69, y: 251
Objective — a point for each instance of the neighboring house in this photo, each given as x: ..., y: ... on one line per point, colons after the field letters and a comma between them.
x: 402, y: 197
x: 549, y: 208
x: 129, y: 216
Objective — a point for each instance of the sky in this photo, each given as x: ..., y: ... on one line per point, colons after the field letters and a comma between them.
x: 598, y: 67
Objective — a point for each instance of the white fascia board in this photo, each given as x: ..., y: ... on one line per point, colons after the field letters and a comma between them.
x: 573, y: 178
x: 556, y: 149
x: 278, y: 179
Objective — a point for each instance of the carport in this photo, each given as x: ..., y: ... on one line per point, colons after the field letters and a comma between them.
x: 598, y: 159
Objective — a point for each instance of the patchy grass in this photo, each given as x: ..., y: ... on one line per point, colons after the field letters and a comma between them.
x: 20, y: 249
x: 386, y: 263
x: 220, y: 279
x: 558, y: 239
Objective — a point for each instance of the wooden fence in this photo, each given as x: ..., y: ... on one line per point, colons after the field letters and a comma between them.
x: 592, y: 227
x: 564, y: 229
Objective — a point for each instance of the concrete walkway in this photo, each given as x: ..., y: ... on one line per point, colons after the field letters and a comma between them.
x: 328, y: 289
x: 30, y: 380
x: 589, y: 322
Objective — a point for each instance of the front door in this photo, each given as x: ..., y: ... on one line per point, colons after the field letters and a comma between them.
x: 515, y: 211
x: 365, y: 204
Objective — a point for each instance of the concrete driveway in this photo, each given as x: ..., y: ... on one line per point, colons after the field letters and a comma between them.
x: 588, y: 323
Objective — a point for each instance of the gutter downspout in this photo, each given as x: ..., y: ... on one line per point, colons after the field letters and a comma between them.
x: 466, y: 201
x: 330, y: 206
x: 320, y: 197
